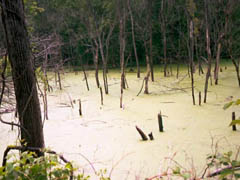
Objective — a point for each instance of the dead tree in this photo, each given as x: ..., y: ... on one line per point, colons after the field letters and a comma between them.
x: 133, y: 38
x: 208, y: 49
x: 96, y: 57
x: 191, y: 53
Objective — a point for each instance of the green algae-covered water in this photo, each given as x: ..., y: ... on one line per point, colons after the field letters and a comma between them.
x: 106, y: 136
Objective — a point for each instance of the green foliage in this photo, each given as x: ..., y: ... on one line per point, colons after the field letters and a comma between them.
x: 8, y: 68
x: 31, y: 168
x: 102, y: 175
x: 227, y: 165
x: 32, y: 8
x: 228, y: 105
x: 235, y: 122
x: 179, y: 173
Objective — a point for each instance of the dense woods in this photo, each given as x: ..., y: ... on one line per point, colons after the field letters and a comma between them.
x: 132, y: 33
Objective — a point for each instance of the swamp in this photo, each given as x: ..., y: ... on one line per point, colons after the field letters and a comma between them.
x: 106, y: 135
x: 119, y: 89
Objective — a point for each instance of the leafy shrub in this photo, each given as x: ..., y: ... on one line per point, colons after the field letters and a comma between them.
x: 28, y: 167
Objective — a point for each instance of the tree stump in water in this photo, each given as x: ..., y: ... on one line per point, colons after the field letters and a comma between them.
x: 101, y: 95
x: 142, y: 134
x: 200, y: 98
x: 151, y: 136
x: 160, y: 123
x: 234, y: 128
x: 80, y: 107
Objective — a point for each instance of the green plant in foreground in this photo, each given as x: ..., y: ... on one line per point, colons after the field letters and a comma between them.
x: 227, y: 166
x: 28, y: 167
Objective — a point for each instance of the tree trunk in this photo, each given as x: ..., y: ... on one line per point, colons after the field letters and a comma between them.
x: 149, y: 22
x: 191, y: 49
x: 59, y: 78
x: 105, y: 82
x: 122, y: 50
x: 23, y: 73
x: 95, y: 54
x: 165, y: 52
x: 163, y: 29
x: 208, y: 74
x: 236, y: 65
x: 151, y: 57
x: 85, y: 75
x: 216, y: 69
x: 133, y: 39
x: 146, y: 91
x: 146, y: 79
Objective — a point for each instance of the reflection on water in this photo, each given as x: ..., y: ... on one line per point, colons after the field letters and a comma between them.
x: 106, y: 135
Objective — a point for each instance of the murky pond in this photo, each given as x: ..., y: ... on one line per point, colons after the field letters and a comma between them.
x: 105, y: 135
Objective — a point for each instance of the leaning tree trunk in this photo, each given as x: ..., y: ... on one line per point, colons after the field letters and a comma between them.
x: 104, y: 64
x: 23, y: 73
x: 236, y: 65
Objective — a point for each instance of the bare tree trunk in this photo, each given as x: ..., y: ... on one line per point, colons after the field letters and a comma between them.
x: 85, y: 76
x: 236, y: 65
x: 133, y: 39
x: 23, y: 74
x: 216, y: 69
x: 163, y: 29
x: 191, y: 42
x: 105, y: 81
x: 208, y: 74
x: 146, y: 79
x: 151, y: 56
x: 96, y: 64
x: 165, y: 52
x: 122, y: 50
x: 59, y: 78
x: 146, y: 91
x: 45, y: 68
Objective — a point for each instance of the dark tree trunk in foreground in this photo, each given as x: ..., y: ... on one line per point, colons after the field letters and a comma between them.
x: 22, y: 72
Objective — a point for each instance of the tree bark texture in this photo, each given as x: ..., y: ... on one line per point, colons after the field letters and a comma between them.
x: 23, y: 73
